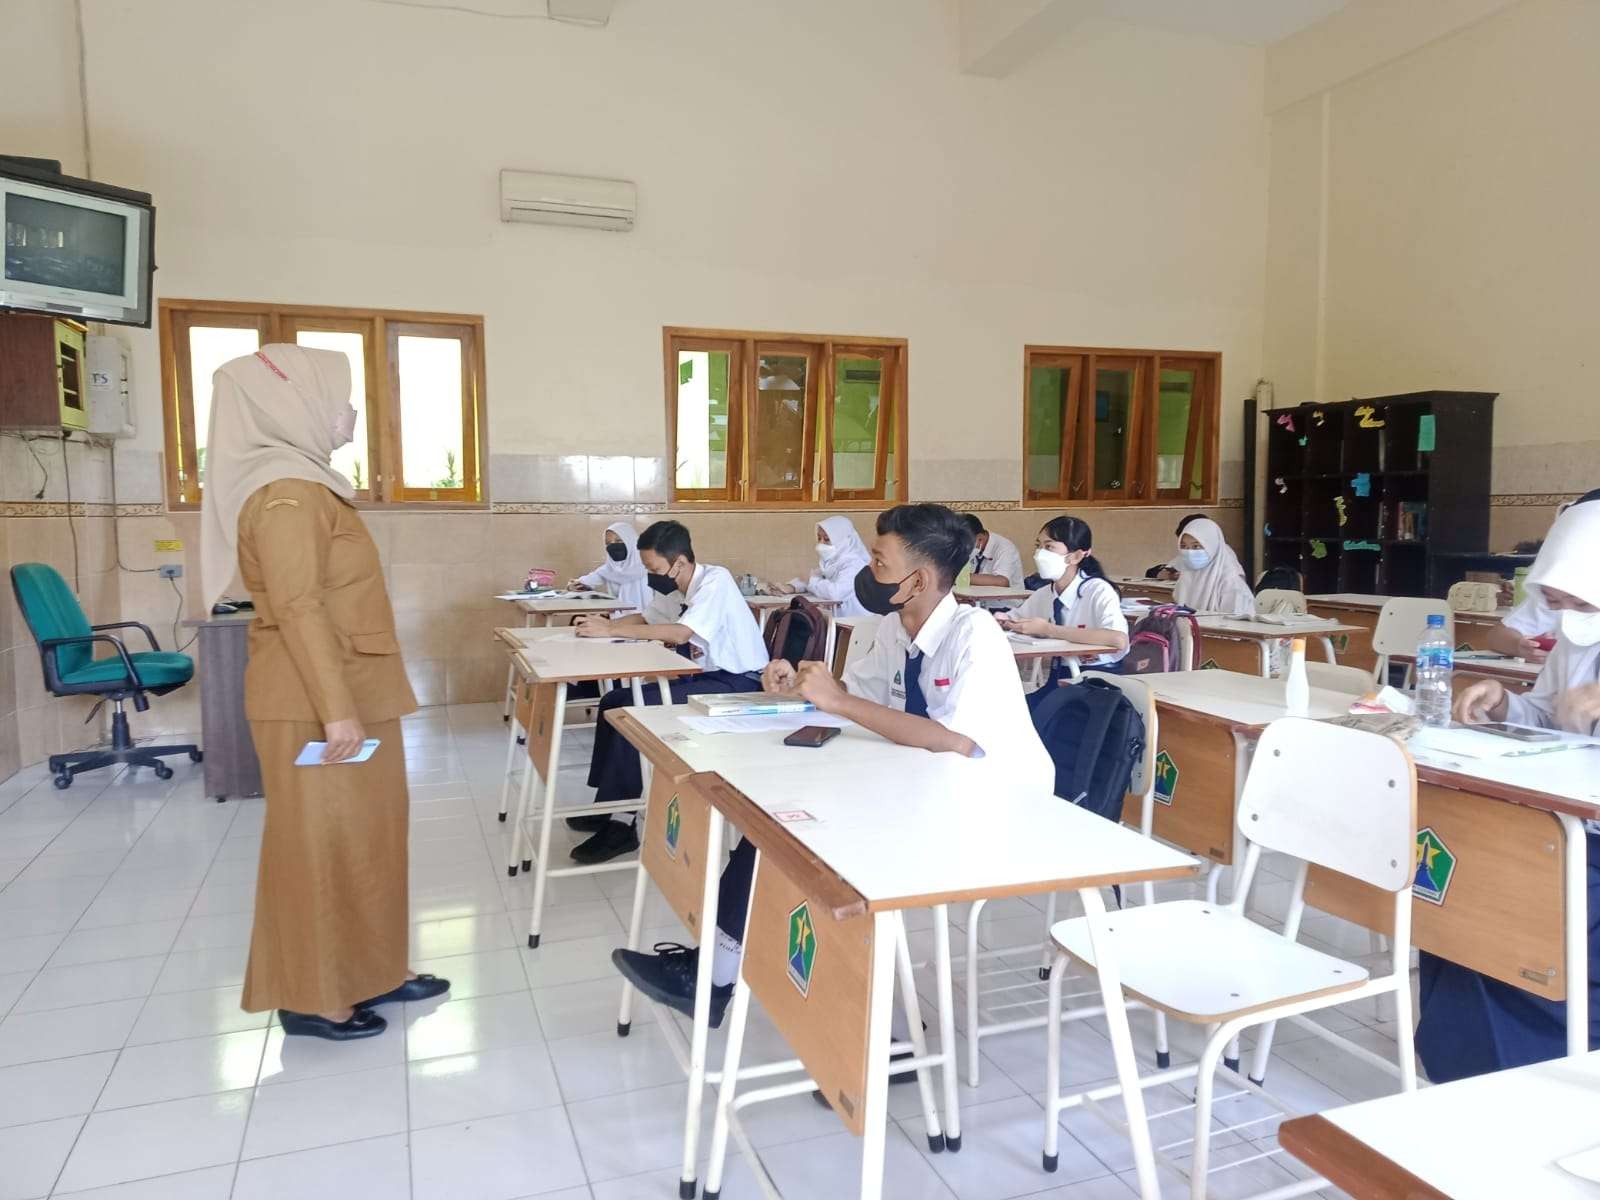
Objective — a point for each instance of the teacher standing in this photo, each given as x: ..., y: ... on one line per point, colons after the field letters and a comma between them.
x: 330, y: 938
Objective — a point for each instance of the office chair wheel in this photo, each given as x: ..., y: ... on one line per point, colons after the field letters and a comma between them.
x: 196, y: 755
x: 63, y: 781
x: 162, y: 771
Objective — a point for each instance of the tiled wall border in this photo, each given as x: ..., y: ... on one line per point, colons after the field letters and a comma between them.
x: 59, y: 508
x: 555, y: 507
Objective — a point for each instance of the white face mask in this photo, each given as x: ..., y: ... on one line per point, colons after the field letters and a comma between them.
x: 344, y: 428
x: 1580, y: 628
x: 1194, y: 560
x: 1049, y: 564
x: 825, y: 551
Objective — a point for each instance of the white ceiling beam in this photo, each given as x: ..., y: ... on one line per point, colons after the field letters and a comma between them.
x: 998, y: 36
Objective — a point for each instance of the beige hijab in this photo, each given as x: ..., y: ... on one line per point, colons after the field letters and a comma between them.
x: 272, y: 417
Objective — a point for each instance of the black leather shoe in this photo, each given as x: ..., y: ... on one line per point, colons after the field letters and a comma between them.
x: 423, y: 987
x: 592, y: 824
x: 613, y: 841
x: 362, y: 1024
x: 668, y: 977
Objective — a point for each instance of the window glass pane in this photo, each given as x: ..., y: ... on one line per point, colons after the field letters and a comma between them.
x: 209, y: 347
x: 351, y: 460
x: 1047, y: 416
x: 1113, y: 406
x: 430, y: 411
x: 780, y: 415
x: 702, y: 419
x: 858, y: 392
x: 1173, y: 409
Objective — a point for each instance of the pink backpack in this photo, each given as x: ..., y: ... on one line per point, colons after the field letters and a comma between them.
x: 1167, y: 639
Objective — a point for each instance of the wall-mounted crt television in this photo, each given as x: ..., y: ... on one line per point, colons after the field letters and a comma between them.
x: 75, y: 247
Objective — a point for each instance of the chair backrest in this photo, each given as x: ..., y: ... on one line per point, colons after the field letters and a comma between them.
x: 1402, y: 621
x: 1143, y: 777
x: 52, y: 611
x: 1352, y: 681
x: 863, y: 631
x: 1280, y: 600
x: 1334, y: 797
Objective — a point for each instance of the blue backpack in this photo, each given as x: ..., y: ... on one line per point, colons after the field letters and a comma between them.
x: 1094, y: 736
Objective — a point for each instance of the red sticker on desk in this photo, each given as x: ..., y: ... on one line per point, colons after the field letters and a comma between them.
x: 793, y: 816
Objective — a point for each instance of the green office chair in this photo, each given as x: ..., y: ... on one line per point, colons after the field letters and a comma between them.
x: 66, y: 640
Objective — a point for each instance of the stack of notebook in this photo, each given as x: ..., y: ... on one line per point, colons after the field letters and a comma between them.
x: 749, y: 704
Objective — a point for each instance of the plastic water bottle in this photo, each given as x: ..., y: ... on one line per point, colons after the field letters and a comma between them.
x: 1435, y: 665
x: 1296, y: 689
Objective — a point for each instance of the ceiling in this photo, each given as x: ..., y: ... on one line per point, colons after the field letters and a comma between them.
x: 1250, y: 22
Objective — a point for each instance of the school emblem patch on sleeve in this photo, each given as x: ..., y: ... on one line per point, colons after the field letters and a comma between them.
x: 802, y: 948
x: 1436, y: 866
x: 674, y: 826
x: 1166, y: 778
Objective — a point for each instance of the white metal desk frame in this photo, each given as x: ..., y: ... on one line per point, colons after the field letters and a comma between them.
x: 538, y: 612
x: 1265, y: 635
x: 1032, y: 835
x: 555, y: 660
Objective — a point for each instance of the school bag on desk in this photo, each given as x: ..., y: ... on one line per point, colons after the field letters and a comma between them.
x: 1094, y: 736
x: 798, y: 633
x: 1167, y: 639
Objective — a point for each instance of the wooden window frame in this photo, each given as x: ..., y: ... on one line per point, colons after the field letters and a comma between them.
x: 278, y: 323
x: 1075, y: 486
x: 823, y: 352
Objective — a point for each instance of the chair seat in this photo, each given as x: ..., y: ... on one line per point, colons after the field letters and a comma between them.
x: 155, y: 669
x: 1199, y: 962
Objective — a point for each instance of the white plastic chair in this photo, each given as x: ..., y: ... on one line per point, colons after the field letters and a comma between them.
x: 1352, y: 681
x: 863, y: 631
x: 1280, y: 600
x: 1401, y: 624
x: 1338, y: 798
x: 1141, y: 784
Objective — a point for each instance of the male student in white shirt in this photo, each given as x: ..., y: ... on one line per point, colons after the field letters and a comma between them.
x: 939, y: 676
x: 996, y: 562
x: 722, y: 636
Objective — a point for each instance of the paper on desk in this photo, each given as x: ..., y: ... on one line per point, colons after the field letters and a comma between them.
x: 1472, y: 743
x: 764, y: 723
x: 311, y: 754
x: 1585, y: 1164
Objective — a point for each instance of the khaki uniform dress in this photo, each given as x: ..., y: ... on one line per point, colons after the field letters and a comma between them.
x: 332, y: 903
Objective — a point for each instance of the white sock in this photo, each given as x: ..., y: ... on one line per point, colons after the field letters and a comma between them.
x: 626, y: 819
x: 725, y: 966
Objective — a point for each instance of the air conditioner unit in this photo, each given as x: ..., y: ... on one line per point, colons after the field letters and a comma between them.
x: 567, y: 200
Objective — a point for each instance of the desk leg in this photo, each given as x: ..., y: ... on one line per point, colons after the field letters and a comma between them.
x: 511, y: 751
x: 1327, y: 649
x: 519, y: 819
x: 1116, y: 1007
x: 1074, y: 671
x: 1577, y: 931
x: 733, y: 1047
x: 1264, y: 652
x: 702, y: 1008
x: 887, y: 929
x: 548, y: 816
x: 947, y: 1027
x: 833, y: 638
x: 919, y: 1040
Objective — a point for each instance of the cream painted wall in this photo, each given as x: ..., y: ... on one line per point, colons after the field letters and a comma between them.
x: 827, y: 173
x: 1462, y: 186
x: 40, y: 116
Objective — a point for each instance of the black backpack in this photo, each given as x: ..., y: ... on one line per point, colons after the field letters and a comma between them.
x: 1094, y: 736
x: 798, y: 633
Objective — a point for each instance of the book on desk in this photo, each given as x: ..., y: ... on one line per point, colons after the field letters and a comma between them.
x: 749, y: 704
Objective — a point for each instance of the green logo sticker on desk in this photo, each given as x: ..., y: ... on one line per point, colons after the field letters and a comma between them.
x: 1436, y: 867
x: 802, y: 948
x: 1210, y: 664
x: 674, y: 826
x: 1166, y: 778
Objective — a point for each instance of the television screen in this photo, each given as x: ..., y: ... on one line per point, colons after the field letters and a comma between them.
x: 65, y: 246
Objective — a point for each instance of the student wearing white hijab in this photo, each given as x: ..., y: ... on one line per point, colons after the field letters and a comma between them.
x: 840, y: 556
x: 1210, y: 578
x: 1469, y: 1023
x: 622, y: 574
x: 1531, y: 619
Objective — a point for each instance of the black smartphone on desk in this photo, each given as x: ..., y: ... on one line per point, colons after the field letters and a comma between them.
x: 812, y: 736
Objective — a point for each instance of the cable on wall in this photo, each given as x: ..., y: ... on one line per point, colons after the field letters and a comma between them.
x: 83, y: 88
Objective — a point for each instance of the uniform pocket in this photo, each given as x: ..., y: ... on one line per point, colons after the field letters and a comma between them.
x: 375, y: 643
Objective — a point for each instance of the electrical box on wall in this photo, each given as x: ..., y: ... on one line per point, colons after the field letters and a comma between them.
x: 110, y: 388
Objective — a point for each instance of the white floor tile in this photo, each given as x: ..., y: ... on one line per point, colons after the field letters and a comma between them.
x: 602, y: 1064
x: 208, y: 1183
x: 28, y: 953
x: 117, y: 941
x: 44, y: 1091
x: 466, y: 1026
x: 1000, y: 1155
x: 590, y: 1006
x: 198, y: 970
x: 12, y: 985
x: 498, y: 1158
x: 291, y: 1059
x: 467, y: 1087
x: 487, y: 973
x: 136, y: 910
x: 462, y: 935
x: 33, y: 1037
x: 61, y: 987
x: 376, y: 1168
x: 214, y: 932
x: 191, y: 1067
x: 325, y: 1111
x: 157, y: 1139
x: 33, y: 1155
x: 167, y: 1017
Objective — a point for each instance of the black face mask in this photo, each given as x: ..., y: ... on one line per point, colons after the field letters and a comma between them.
x: 878, y: 597
x: 661, y: 583
x: 616, y: 551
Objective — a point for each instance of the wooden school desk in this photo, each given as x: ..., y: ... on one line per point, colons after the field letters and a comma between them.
x: 1492, y: 1137
x: 1037, y: 652
x: 547, y: 660
x: 985, y: 596
x: 1514, y: 674
x: 1240, y: 644
x: 1503, y: 884
x: 1135, y: 586
x: 1361, y: 610
x: 842, y: 805
x: 539, y: 611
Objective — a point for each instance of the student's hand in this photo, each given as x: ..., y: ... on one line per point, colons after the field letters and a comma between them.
x: 778, y: 676
x: 781, y: 589
x: 344, y: 740
x: 575, y: 585
x: 592, y: 627
x: 1579, y: 707
x: 1034, y: 627
x: 1166, y: 573
x: 1484, y: 700
x: 817, y: 684
x: 1530, y: 650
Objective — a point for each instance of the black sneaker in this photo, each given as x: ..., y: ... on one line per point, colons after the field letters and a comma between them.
x: 592, y: 824
x: 668, y: 977
x: 612, y: 841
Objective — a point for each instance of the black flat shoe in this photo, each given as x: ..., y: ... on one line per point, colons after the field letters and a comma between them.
x: 362, y: 1024
x: 615, y: 840
x: 592, y: 824
x: 423, y: 987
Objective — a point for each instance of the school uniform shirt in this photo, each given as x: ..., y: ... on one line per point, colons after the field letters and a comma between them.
x: 663, y: 609
x: 625, y: 580
x: 724, y: 630
x: 835, y: 576
x: 1569, y: 666
x: 968, y: 678
x: 1085, y: 603
x: 999, y: 557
